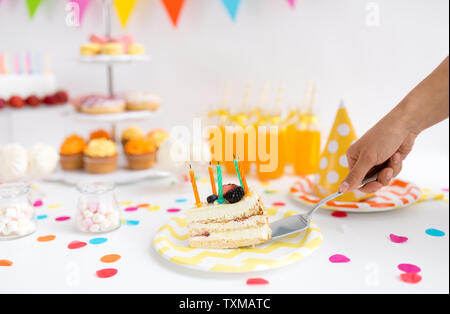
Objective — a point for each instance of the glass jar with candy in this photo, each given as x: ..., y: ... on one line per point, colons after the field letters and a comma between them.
x: 98, y: 209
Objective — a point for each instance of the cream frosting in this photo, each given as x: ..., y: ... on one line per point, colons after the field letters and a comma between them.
x: 246, y: 207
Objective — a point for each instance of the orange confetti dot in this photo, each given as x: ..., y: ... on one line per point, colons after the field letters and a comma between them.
x: 5, y: 262
x: 110, y: 258
x: 143, y: 205
x: 46, y: 238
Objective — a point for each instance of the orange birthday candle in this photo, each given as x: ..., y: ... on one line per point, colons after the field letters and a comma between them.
x: 194, y: 187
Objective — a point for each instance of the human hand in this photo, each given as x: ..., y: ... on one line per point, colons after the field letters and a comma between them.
x: 388, y: 141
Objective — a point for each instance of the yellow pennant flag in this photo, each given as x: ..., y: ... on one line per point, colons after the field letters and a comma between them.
x: 124, y: 9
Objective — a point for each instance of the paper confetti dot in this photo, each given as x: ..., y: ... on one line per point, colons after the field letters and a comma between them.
x: 5, y: 262
x: 338, y: 258
x: 445, y: 190
x: 181, y: 200
x: 46, y: 238
x: 154, y: 207
x: 278, y: 204
x: 410, y: 278
x: 96, y: 241
x: 62, y: 218
x: 106, y: 273
x: 173, y: 210
x: 132, y: 222
x: 131, y: 209
x: 143, y: 205
x: 126, y: 203
x: 38, y: 203
x: 54, y: 206
x: 257, y: 281
x: 40, y: 217
x: 409, y: 268
x: 110, y: 258
x: 271, y: 191
x: 435, y: 232
x: 339, y: 214
x: 76, y: 245
x: 397, y: 239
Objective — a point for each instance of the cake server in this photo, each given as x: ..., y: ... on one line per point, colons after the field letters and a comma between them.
x: 297, y: 223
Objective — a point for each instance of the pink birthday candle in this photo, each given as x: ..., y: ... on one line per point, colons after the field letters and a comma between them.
x: 16, y: 64
x: 28, y: 63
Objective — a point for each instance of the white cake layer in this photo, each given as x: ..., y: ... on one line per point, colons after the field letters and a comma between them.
x: 246, y: 207
x: 26, y: 85
x: 196, y: 228
x: 258, y: 232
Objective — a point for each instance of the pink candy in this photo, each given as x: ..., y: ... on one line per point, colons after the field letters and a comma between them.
x: 397, y: 239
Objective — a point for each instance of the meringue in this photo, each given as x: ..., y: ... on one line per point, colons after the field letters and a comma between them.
x: 13, y: 162
x: 43, y: 159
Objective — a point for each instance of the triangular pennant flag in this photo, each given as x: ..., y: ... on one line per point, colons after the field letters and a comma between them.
x: 333, y: 166
x: 291, y: 3
x: 232, y: 7
x: 173, y: 8
x: 124, y: 9
x: 82, y: 5
x: 32, y: 6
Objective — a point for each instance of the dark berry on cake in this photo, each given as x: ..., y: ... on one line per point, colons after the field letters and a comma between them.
x: 235, y: 194
x: 212, y: 198
x: 227, y: 187
x: 2, y: 103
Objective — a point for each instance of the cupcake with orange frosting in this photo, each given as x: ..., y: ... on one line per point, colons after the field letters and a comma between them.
x: 100, y: 156
x: 131, y: 133
x: 140, y: 153
x: 99, y: 134
x: 71, y: 153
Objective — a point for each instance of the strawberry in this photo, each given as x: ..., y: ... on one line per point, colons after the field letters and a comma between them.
x: 228, y: 187
x: 16, y: 102
x: 33, y: 101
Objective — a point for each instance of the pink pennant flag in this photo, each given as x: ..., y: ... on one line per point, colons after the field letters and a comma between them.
x: 291, y: 3
x: 82, y: 5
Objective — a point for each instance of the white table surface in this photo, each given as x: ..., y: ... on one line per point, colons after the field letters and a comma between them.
x: 364, y: 238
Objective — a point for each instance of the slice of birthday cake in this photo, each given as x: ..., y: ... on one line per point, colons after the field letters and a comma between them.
x: 234, y: 220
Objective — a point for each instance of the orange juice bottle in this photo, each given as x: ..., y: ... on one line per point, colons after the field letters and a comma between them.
x: 291, y: 122
x: 307, y: 146
x: 264, y: 134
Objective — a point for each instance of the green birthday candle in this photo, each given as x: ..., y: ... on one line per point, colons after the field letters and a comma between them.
x: 237, y: 171
x: 221, y: 200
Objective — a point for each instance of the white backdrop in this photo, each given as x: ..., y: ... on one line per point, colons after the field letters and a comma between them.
x: 334, y: 43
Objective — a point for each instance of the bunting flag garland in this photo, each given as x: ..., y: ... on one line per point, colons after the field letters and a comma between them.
x: 32, y: 6
x: 173, y: 8
x: 291, y: 3
x: 232, y: 7
x: 82, y: 5
x: 124, y: 9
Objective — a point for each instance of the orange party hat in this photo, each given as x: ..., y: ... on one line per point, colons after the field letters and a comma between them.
x: 333, y: 167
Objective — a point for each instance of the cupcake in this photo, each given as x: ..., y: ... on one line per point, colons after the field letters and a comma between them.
x: 71, y: 153
x: 100, y: 134
x: 158, y: 136
x: 100, y: 156
x: 140, y: 153
x: 131, y: 133
x: 142, y: 101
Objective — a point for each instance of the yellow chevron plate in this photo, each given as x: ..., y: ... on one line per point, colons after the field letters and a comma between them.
x: 171, y: 242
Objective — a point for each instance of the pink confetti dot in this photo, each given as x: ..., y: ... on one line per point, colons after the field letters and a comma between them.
x: 397, y: 239
x: 38, y: 203
x: 278, y: 204
x: 76, y: 245
x: 173, y: 210
x: 409, y: 268
x: 131, y: 209
x: 257, y: 281
x: 338, y: 258
x: 62, y: 218
x: 339, y: 214
x: 411, y: 278
x: 445, y: 189
x: 106, y: 273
